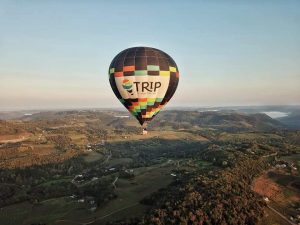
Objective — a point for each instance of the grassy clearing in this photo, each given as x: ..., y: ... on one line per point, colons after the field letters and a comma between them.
x: 92, y: 156
x: 203, y: 164
x: 248, y: 136
x: 45, y: 212
x: 119, y: 161
x: 14, y: 214
x: 43, y: 149
x: 165, y: 134
x: 56, y: 182
x: 14, y: 138
x: 79, y: 139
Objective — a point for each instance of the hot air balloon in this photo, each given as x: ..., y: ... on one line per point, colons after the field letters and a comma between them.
x: 144, y: 80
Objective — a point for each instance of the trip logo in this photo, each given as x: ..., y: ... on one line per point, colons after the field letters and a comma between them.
x: 127, y: 85
x: 141, y: 87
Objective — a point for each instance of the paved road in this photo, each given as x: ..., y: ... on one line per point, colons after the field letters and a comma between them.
x: 272, y: 154
x: 281, y: 215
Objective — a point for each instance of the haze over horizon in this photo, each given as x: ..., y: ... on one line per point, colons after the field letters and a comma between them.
x: 56, y: 54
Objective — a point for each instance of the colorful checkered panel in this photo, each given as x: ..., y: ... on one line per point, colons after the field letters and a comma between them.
x: 144, y: 80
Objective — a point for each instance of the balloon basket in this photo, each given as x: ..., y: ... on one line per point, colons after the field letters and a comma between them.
x: 144, y: 131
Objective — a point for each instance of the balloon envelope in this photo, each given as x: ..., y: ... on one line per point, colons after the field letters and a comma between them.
x: 144, y: 80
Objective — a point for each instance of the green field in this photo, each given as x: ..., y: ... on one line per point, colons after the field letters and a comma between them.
x: 45, y: 212
x: 67, y: 211
x: 92, y: 156
x: 248, y: 136
x: 130, y: 192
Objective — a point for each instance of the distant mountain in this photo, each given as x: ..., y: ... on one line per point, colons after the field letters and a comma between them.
x: 217, y: 119
x: 292, y: 121
x: 226, y: 120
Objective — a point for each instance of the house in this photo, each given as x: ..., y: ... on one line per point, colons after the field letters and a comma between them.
x: 280, y: 165
x: 78, y: 178
x: 121, y: 116
x: 93, y: 208
x: 92, y: 202
x: 293, y: 166
x: 95, y: 178
x: 73, y: 196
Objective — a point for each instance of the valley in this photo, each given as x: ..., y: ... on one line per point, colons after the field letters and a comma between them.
x: 94, y: 167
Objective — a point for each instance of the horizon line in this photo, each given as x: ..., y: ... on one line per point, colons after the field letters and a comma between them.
x: 10, y: 109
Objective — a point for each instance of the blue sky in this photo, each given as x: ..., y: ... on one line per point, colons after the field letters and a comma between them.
x: 57, y: 53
